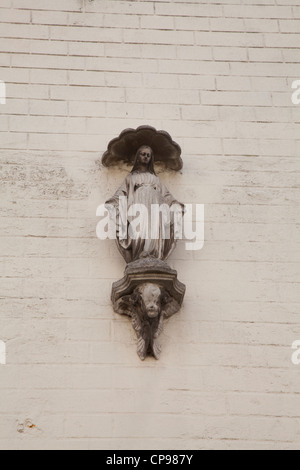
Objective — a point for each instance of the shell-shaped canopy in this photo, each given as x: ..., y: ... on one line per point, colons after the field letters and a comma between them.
x: 124, y: 148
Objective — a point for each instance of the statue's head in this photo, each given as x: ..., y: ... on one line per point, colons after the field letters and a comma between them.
x: 151, y: 297
x: 144, y: 159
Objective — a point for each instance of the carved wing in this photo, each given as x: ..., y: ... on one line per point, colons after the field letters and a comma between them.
x: 124, y: 306
x: 141, y: 345
x: 169, y: 305
x: 160, y: 326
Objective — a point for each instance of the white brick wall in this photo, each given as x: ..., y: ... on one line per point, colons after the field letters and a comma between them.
x: 217, y: 75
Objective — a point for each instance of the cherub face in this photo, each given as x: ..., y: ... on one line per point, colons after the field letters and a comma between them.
x: 151, y: 296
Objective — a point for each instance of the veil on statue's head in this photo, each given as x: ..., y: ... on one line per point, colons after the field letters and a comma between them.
x: 136, y: 160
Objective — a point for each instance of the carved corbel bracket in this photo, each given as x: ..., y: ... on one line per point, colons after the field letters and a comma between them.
x: 149, y: 293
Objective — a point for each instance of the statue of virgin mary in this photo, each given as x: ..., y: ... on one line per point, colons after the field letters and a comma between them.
x: 144, y: 193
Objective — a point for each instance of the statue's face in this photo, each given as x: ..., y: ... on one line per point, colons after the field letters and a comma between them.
x: 145, y: 155
x: 151, y: 296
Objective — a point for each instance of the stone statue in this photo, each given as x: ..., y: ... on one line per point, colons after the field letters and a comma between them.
x: 156, y: 232
x: 150, y: 291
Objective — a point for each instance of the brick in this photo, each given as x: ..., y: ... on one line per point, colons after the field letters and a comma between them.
x: 265, y: 55
x: 261, y: 26
x: 83, y: 78
x: 121, y: 7
x: 15, y: 106
x: 274, y: 115
x: 84, y: 34
x: 15, y: 16
x: 227, y: 24
x: 121, y: 65
x: 69, y: 5
x: 263, y: 404
x: 30, y: 91
x: 208, y: 147
x: 281, y: 40
x: 233, y: 83
x: 87, y: 93
x: 194, y: 52
x: 54, y: 48
x: 48, y: 142
x: 158, y: 37
x: 234, y: 113
x: 264, y: 70
x: 289, y: 26
x: 253, y: 379
x: 165, y: 111
x: 287, y: 2
x: 51, y: 62
x: 82, y: 108
x: 94, y: 425
x: 124, y: 110
x: 296, y: 12
x: 50, y: 77
x: 123, y: 79
x: 197, y: 82
x: 157, y: 51
x: 5, y: 60
x: 162, y: 96
x: 230, y: 39
x: 160, y: 22
x: 13, y: 140
x: 88, y: 49
x: 236, y: 98
x: 234, y: 54
x: 280, y: 99
x: 14, y: 45
x: 50, y: 18
x: 46, y: 124
x: 258, y: 11
x: 122, y: 50
x: 291, y: 55
x: 193, y: 67
x: 84, y: 143
x: 9, y: 75
x: 24, y: 31
x: 199, y: 113
x: 4, y: 123
x: 161, y: 81
x: 5, y: 4
x: 193, y: 24
x: 100, y: 126
x: 190, y: 10
x: 112, y: 20
x: 269, y: 84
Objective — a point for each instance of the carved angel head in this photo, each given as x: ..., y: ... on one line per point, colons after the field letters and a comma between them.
x: 147, y: 306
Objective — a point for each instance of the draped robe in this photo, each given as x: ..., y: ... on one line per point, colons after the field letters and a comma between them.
x: 145, y: 188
